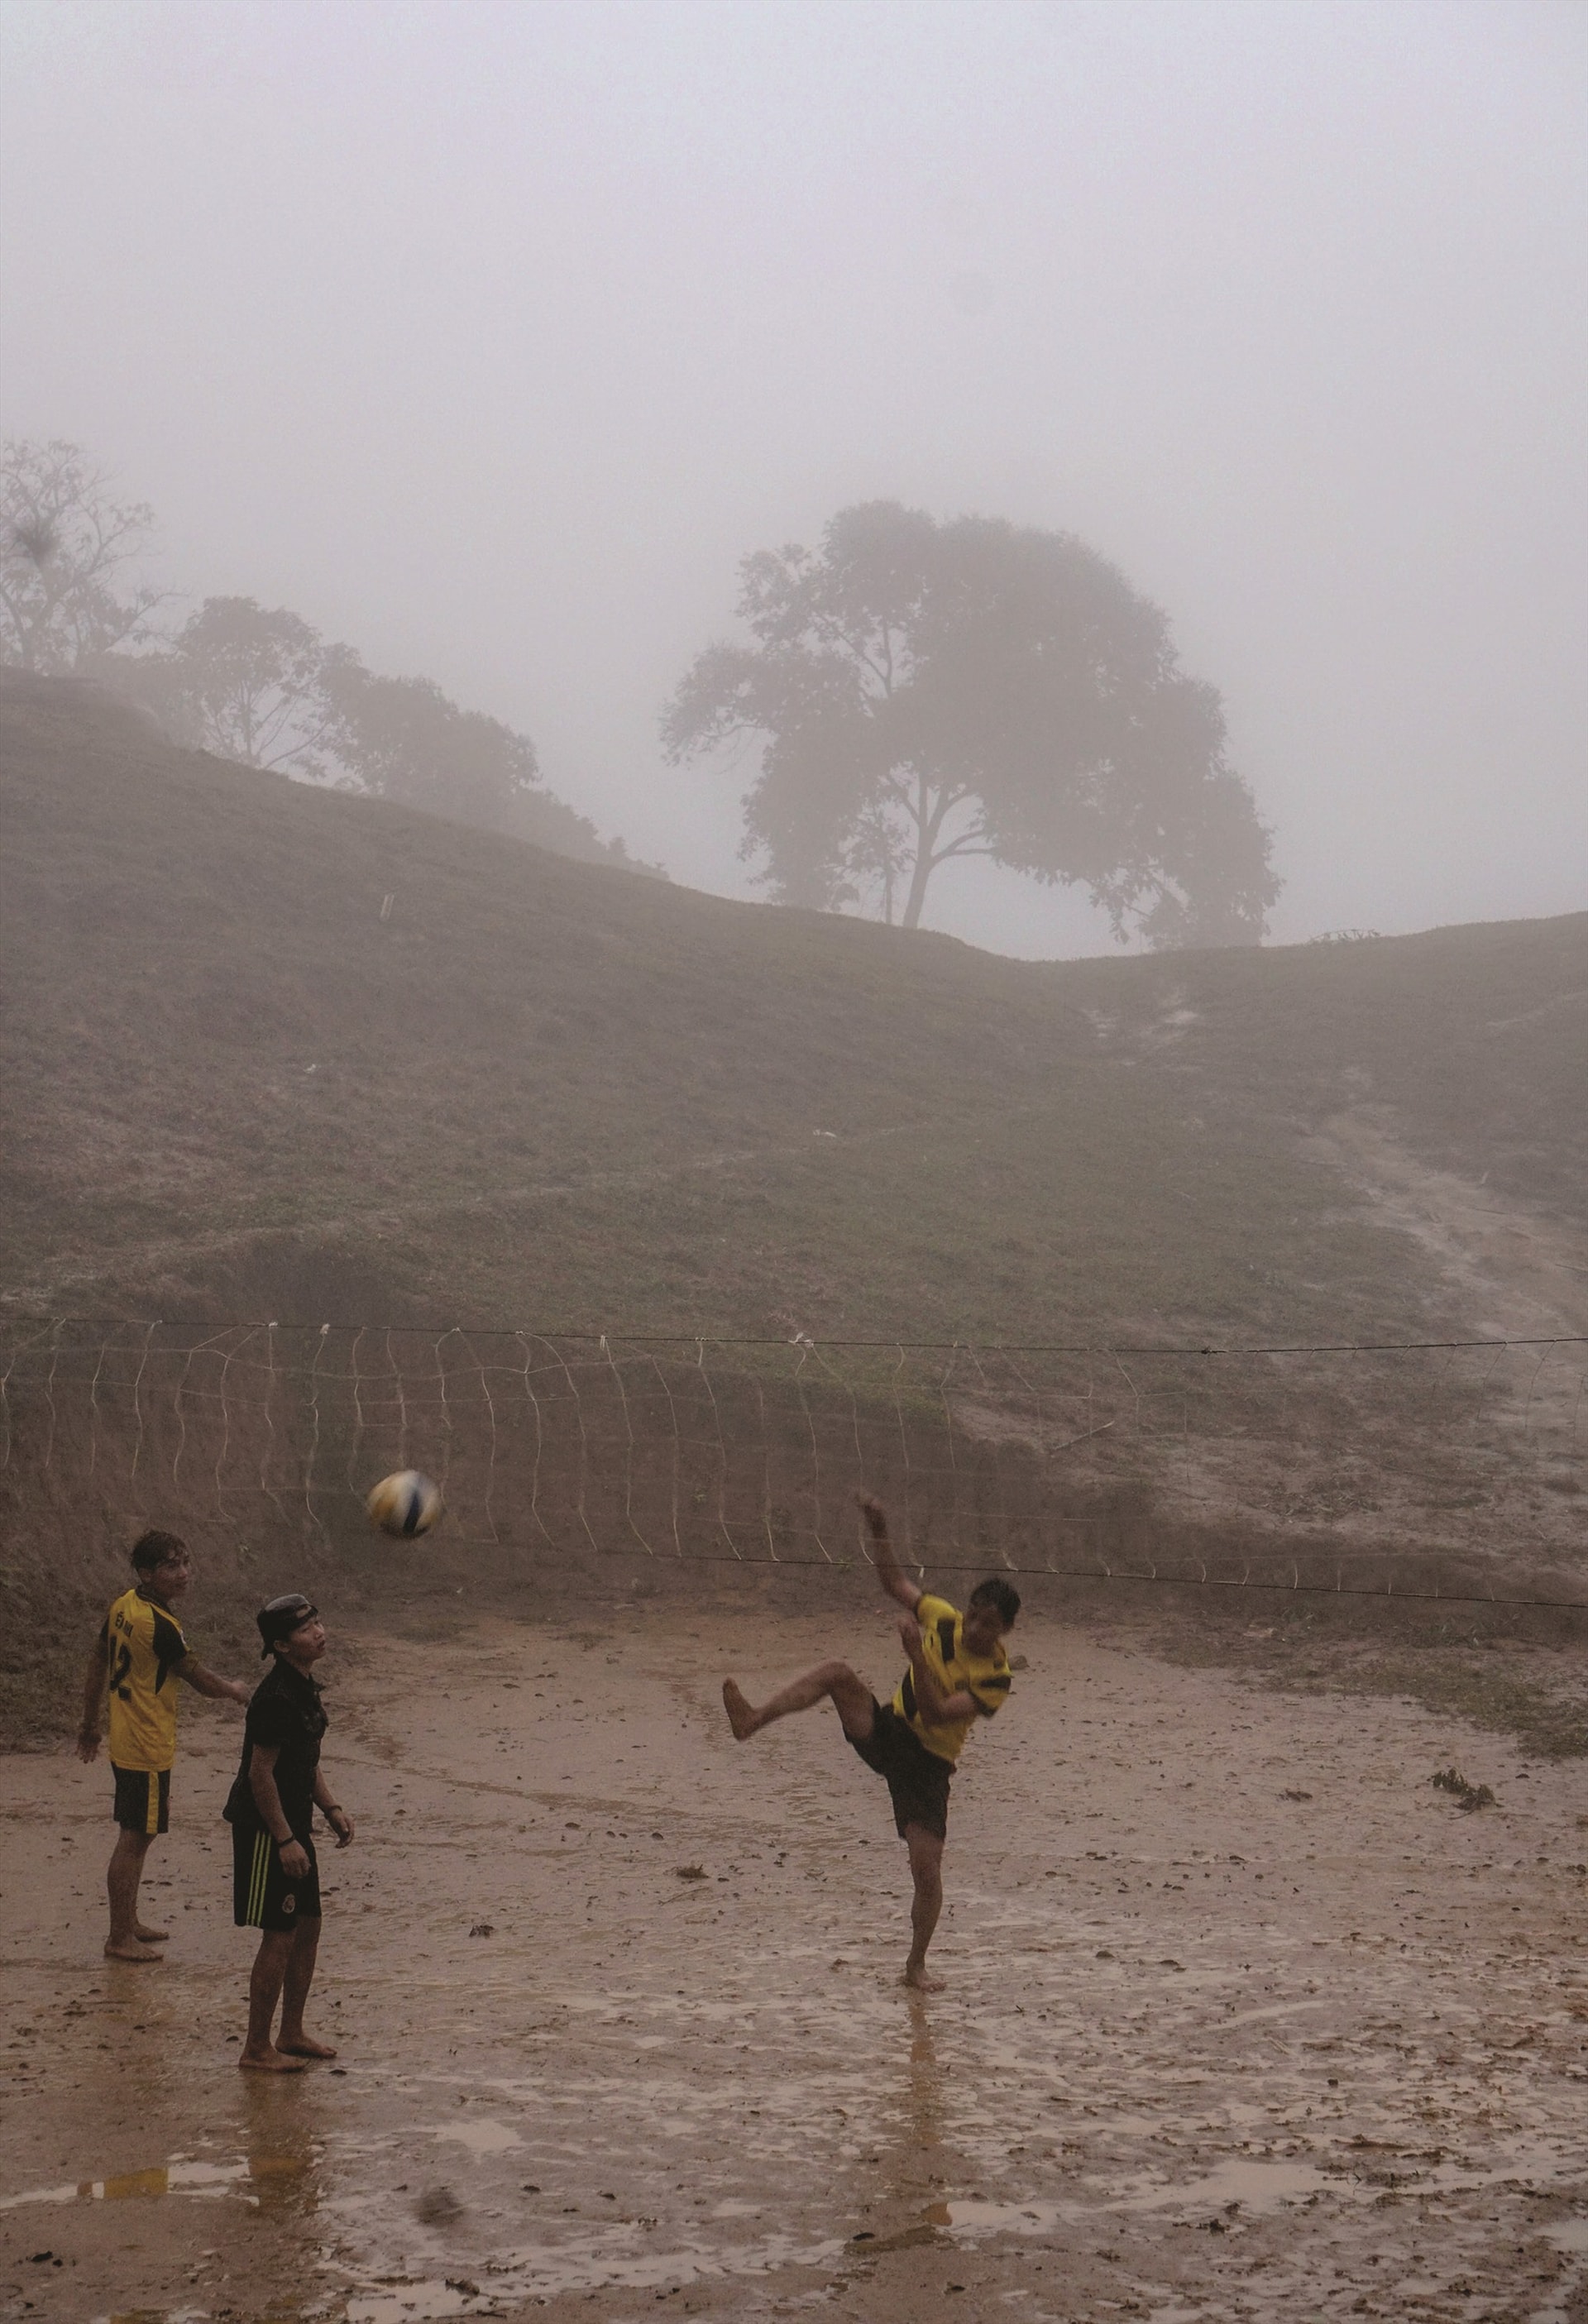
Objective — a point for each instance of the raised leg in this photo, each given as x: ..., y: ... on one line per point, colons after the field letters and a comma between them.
x: 926, y: 1871
x: 126, y: 1941
x: 851, y: 1698
x: 292, y: 2042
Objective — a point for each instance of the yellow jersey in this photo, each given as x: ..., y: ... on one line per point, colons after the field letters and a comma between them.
x: 144, y: 1644
x: 984, y: 1677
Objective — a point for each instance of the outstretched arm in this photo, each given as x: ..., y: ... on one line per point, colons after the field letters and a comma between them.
x: 94, y: 1684
x: 209, y: 1682
x: 889, y: 1572
x: 937, y: 1709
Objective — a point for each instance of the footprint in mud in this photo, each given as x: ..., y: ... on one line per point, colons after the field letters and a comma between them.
x: 438, y: 2207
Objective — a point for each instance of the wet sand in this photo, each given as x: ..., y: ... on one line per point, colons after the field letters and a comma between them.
x: 1242, y: 2018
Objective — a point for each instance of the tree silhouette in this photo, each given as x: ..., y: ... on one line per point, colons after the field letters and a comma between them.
x: 247, y: 683
x: 64, y: 545
x: 922, y: 692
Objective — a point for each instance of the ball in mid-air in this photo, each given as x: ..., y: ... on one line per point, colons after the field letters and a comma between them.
x: 404, y: 1504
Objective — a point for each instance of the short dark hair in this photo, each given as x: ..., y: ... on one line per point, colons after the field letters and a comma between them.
x: 994, y: 1591
x: 152, y: 1549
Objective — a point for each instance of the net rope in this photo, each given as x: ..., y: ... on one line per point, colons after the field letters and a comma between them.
x: 1389, y: 1469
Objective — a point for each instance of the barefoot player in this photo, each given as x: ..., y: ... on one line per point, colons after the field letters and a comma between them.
x: 275, y: 1877
x: 138, y: 1658
x: 958, y: 1672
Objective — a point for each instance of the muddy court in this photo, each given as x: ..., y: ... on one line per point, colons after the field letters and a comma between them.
x: 1242, y: 2018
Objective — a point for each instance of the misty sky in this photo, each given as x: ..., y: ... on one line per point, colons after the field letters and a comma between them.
x: 491, y: 336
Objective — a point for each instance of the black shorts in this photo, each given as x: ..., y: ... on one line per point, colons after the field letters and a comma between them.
x: 264, y: 1897
x: 918, y: 1781
x: 143, y: 1799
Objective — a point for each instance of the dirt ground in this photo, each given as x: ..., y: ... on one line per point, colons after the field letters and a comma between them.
x: 1242, y: 2018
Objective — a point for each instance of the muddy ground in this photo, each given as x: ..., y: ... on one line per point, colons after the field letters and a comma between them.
x: 1242, y: 2018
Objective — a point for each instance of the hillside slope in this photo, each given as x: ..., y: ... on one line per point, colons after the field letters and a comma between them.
x: 538, y: 1091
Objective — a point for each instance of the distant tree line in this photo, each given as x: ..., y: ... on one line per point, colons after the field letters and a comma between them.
x: 247, y: 683
x: 914, y: 693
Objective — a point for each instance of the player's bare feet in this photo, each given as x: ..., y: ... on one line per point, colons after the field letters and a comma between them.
x: 304, y: 2045
x: 741, y: 1717
x: 269, y: 2061
x: 151, y: 1936
x: 129, y: 1948
x: 915, y: 1977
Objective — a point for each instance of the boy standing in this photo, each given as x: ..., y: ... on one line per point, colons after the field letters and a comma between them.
x: 275, y: 1876
x: 139, y: 1655
x: 958, y: 1672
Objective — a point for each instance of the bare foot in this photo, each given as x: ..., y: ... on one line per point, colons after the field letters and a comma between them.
x: 151, y: 1936
x: 269, y: 2061
x: 915, y: 1977
x: 130, y: 1949
x: 303, y: 2045
x: 741, y: 1717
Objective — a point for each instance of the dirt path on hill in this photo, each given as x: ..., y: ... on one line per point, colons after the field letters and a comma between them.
x: 1521, y: 1276
x: 1243, y: 2019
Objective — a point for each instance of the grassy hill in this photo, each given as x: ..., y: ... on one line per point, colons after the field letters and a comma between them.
x: 541, y: 1093
x: 279, y: 1054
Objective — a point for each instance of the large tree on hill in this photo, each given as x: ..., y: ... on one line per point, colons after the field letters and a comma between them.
x: 925, y: 691
x: 65, y: 544
x: 247, y: 683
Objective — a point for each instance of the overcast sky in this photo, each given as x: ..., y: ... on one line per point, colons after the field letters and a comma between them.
x: 491, y: 334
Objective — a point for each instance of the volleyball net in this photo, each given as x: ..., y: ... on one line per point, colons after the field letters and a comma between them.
x: 1369, y: 1469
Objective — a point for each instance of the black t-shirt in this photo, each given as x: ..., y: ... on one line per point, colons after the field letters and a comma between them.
x: 286, y: 1711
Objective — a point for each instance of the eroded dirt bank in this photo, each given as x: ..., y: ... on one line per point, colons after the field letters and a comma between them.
x: 1242, y: 2018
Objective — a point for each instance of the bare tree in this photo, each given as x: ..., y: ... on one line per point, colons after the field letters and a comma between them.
x: 65, y: 544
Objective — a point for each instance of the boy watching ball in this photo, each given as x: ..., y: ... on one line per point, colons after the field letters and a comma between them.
x: 275, y: 1875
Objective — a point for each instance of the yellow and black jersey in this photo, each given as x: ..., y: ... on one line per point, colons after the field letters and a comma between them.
x: 984, y: 1677
x: 144, y: 1644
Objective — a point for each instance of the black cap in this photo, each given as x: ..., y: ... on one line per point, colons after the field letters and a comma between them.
x: 283, y: 1616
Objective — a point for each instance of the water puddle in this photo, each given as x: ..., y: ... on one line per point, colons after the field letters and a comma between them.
x: 1256, y: 2186
x: 1253, y: 2187
x: 479, y: 2137
x: 616, y: 2260
x: 178, y: 2177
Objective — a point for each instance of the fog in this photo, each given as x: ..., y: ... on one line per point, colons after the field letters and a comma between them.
x: 490, y: 338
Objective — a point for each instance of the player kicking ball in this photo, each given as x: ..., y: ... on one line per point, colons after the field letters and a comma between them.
x: 958, y: 1672
x: 275, y: 1877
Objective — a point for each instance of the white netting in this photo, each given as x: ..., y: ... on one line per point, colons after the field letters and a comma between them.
x: 1346, y: 1467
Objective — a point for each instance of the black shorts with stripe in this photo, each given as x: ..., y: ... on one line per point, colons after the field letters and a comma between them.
x: 917, y: 1780
x: 264, y: 1897
x: 143, y: 1799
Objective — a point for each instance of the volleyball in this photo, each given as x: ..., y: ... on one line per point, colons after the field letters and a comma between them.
x: 404, y: 1504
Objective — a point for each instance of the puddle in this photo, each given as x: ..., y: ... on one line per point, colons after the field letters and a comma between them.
x: 615, y: 2260
x: 155, y: 2316
x: 163, y: 2179
x: 176, y: 2178
x: 1257, y: 2186
x: 412, y: 2304
x: 479, y: 2137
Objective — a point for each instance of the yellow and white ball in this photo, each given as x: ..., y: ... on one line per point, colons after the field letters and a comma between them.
x: 404, y: 1504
